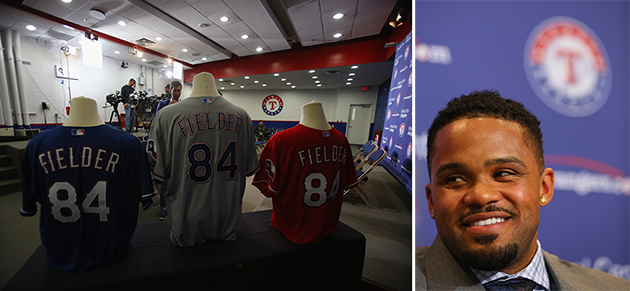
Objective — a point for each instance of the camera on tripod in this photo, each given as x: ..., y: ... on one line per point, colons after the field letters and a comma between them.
x: 114, y: 98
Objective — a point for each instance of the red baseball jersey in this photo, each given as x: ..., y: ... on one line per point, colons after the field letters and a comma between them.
x: 305, y: 171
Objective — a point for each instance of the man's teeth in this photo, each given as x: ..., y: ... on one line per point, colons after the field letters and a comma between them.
x: 488, y: 221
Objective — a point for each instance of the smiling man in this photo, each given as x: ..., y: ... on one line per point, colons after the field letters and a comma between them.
x: 487, y: 184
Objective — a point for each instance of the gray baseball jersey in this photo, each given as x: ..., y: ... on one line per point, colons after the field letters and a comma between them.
x: 204, y: 149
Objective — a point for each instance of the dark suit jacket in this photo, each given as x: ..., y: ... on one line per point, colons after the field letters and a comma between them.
x: 437, y: 269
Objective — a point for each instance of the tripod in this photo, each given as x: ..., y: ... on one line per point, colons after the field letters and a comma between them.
x: 111, y: 117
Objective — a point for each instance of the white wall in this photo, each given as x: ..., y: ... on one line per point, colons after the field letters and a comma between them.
x: 41, y: 84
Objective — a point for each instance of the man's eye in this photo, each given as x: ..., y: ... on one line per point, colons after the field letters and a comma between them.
x: 454, y: 179
x: 503, y: 174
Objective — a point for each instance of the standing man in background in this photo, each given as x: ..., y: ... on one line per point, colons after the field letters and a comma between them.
x: 129, y: 109
x: 176, y: 92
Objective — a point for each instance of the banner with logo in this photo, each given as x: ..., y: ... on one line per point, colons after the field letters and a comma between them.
x: 397, y: 128
x: 568, y: 63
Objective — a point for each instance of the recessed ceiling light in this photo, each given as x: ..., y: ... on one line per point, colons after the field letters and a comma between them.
x: 288, y: 83
x: 166, y: 66
x: 139, y: 54
x: 256, y: 82
x: 283, y: 79
x: 97, y: 13
x: 117, y: 52
x: 338, y: 16
x: 276, y: 75
x: 318, y: 81
x: 319, y: 85
x: 31, y: 27
x: 225, y: 19
x: 221, y: 80
x: 351, y: 74
x: 354, y: 67
x: 348, y: 83
x: 122, y: 23
x: 259, y: 49
x: 350, y: 79
x: 158, y: 38
x: 293, y: 86
x: 203, y: 25
x: 311, y: 71
x: 222, y: 88
x: 184, y: 49
x: 242, y: 86
x: 246, y: 77
x: 264, y: 85
x: 232, y: 84
x: 337, y: 35
x: 244, y: 36
x: 204, y: 59
x: 144, y: 60
x: 314, y: 77
x: 66, y: 1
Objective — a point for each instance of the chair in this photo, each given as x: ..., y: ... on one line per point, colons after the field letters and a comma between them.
x: 362, y: 158
x: 361, y: 151
x: 375, y: 157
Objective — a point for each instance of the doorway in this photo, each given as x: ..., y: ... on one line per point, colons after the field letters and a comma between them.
x: 358, y: 130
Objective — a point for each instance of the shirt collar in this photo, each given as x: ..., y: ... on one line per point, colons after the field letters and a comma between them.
x: 535, y: 271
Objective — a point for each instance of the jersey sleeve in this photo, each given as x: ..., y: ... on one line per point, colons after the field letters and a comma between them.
x: 349, y: 172
x: 157, y: 144
x: 266, y: 179
x: 142, y: 171
x: 250, y: 148
x: 28, y: 170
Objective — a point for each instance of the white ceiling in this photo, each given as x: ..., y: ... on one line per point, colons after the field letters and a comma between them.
x: 195, y: 25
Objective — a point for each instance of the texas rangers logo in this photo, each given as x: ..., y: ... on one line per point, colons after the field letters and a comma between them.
x: 398, y: 99
x: 401, y: 129
x: 410, y: 81
x: 389, y: 113
x: 272, y: 105
x: 406, y: 52
x: 409, y: 150
x: 395, y: 74
x: 568, y: 67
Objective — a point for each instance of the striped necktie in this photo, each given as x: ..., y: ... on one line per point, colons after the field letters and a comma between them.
x: 516, y: 284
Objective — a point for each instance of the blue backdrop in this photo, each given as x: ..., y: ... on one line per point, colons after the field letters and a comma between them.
x: 567, y: 62
x: 397, y: 128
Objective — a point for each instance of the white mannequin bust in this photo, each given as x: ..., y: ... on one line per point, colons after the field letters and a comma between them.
x: 83, y: 113
x: 204, y: 86
x: 313, y: 116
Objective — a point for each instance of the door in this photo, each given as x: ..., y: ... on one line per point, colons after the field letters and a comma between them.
x: 358, y: 130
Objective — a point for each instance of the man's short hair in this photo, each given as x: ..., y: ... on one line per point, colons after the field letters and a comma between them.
x: 489, y: 104
x: 168, y: 86
x: 132, y: 80
x: 175, y: 83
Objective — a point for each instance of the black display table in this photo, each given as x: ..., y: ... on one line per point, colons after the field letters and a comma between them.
x: 259, y: 259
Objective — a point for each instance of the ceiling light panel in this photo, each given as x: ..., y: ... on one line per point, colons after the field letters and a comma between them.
x: 57, y: 8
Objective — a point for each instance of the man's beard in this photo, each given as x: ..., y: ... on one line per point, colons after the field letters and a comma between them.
x: 491, y: 258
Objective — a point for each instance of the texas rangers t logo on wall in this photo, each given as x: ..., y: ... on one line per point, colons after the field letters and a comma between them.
x: 568, y: 67
x: 272, y: 105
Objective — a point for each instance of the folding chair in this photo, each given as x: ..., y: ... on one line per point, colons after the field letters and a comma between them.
x: 355, y: 156
x: 375, y: 157
x: 362, y: 157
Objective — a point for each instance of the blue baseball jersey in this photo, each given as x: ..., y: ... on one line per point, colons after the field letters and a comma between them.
x: 88, y: 182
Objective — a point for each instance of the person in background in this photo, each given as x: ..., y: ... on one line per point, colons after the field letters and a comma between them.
x: 129, y: 108
x: 176, y: 91
x: 261, y: 131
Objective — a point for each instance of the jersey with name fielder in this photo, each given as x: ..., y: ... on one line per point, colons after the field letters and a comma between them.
x: 88, y: 181
x: 306, y: 170
x: 204, y: 148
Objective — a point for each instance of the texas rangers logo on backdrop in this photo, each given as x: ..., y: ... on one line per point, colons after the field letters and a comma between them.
x: 389, y: 113
x: 401, y: 129
x: 568, y: 67
x: 272, y: 105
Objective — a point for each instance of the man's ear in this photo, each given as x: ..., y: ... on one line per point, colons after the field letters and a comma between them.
x: 429, y: 194
x: 547, y: 180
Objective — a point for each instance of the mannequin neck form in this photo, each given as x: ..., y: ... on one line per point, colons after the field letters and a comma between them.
x: 313, y: 116
x: 203, y: 86
x: 83, y: 113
